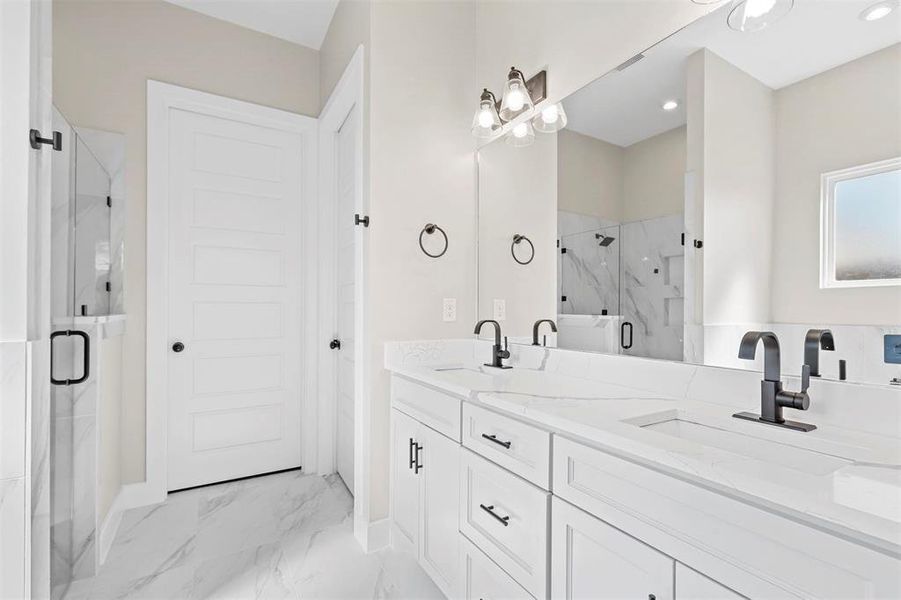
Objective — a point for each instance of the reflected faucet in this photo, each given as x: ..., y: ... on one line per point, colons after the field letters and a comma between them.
x: 498, y: 354
x: 772, y: 397
x: 816, y: 339
x: 537, y: 325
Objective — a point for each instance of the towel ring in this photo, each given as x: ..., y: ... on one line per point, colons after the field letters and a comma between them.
x: 430, y: 228
x: 517, y: 238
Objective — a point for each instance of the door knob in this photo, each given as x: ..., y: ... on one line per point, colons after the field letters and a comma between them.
x: 335, y: 344
x: 178, y: 347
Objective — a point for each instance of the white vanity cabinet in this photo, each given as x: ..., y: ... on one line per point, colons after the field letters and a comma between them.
x: 593, y: 561
x: 691, y: 585
x: 425, y: 498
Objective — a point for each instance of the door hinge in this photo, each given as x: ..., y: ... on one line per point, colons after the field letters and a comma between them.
x: 36, y: 140
x: 562, y: 250
x: 109, y: 287
x: 683, y: 238
x: 109, y: 201
x: 364, y: 221
x: 562, y: 298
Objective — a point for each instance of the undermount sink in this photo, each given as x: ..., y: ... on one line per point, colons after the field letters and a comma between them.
x: 740, y: 443
x: 466, y: 376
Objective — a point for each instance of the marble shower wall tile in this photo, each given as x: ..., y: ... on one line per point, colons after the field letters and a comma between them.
x: 13, y: 390
x: 13, y: 517
x: 40, y: 429
x: 84, y: 496
x: 652, y: 286
x: 590, y: 333
x: 588, y: 273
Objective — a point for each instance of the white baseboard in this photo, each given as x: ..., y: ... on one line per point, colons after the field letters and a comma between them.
x: 110, y: 526
x: 372, y: 535
x: 140, y: 494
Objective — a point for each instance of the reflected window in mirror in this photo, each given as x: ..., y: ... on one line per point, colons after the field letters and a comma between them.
x: 861, y: 226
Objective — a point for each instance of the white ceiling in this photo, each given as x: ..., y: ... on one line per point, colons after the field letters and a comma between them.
x: 624, y: 107
x: 303, y: 22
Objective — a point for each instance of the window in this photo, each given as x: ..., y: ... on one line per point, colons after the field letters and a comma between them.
x: 860, y: 220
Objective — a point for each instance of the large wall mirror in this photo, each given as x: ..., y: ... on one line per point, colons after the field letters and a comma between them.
x: 718, y: 182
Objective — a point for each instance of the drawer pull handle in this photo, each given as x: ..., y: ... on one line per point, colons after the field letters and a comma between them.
x: 493, y: 438
x: 412, y: 461
x: 417, y: 466
x: 490, y: 510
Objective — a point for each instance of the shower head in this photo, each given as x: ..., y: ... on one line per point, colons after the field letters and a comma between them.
x: 606, y: 240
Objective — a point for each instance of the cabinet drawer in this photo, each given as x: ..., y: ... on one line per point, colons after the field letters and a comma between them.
x: 484, y: 580
x: 508, y: 519
x: 427, y: 405
x: 522, y: 448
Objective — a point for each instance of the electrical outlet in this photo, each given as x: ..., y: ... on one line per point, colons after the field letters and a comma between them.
x: 450, y: 310
x: 500, y: 309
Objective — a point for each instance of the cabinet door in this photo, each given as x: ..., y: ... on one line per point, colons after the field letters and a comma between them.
x: 592, y: 560
x: 404, y: 483
x: 439, y: 509
x: 691, y: 585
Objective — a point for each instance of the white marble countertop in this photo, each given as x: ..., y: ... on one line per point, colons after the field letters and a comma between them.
x: 840, y: 480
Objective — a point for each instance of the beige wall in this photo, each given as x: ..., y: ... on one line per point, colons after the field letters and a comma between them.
x: 518, y: 194
x: 641, y: 181
x: 349, y: 29
x: 103, y: 53
x: 739, y: 179
x: 422, y: 170
x: 844, y: 117
x: 654, y: 176
x: 589, y: 176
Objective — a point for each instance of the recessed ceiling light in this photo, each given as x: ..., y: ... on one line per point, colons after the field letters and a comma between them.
x: 877, y: 11
x: 670, y: 105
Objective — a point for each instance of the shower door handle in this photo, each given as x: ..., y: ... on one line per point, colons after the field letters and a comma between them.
x: 86, y: 356
x: 622, y: 335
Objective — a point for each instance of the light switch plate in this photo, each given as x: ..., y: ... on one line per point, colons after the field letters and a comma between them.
x: 500, y: 309
x: 449, y: 313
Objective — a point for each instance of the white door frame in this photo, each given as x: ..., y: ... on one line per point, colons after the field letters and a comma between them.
x: 347, y: 98
x: 161, y: 98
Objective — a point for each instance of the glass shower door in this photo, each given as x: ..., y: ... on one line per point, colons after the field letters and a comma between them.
x: 92, y: 234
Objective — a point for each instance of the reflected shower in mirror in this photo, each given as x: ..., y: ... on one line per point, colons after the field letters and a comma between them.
x: 681, y: 206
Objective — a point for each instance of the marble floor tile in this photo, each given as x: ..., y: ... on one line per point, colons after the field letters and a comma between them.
x: 284, y: 536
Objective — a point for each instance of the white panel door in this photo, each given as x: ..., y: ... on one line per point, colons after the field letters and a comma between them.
x: 592, y: 560
x: 234, y: 194
x: 345, y: 176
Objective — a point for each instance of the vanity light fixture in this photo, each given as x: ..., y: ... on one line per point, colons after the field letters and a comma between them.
x: 486, y: 121
x: 877, y: 11
x: 518, y: 103
x: 522, y: 134
x: 516, y: 99
x: 551, y: 118
x: 670, y: 105
x: 753, y: 15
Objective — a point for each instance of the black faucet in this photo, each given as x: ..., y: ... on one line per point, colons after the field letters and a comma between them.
x: 813, y: 341
x: 537, y: 325
x: 772, y: 397
x: 498, y: 354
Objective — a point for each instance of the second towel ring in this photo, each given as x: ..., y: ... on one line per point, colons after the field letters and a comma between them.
x: 430, y: 228
x: 517, y: 238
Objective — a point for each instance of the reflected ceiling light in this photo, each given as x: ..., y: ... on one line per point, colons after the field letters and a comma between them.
x: 521, y: 135
x: 551, y: 118
x: 486, y: 121
x: 877, y: 11
x: 754, y: 15
x: 516, y: 99
x: 670, y: 105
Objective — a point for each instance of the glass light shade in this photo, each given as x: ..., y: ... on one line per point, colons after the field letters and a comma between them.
x: 485, y: 123
x: 754, y: 15
x: 516, y: 99
x: 551, y: 118
x: 521, y: 135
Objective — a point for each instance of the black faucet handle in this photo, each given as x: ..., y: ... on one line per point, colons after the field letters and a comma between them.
x: 504, y: 353
x: 805, y: 378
